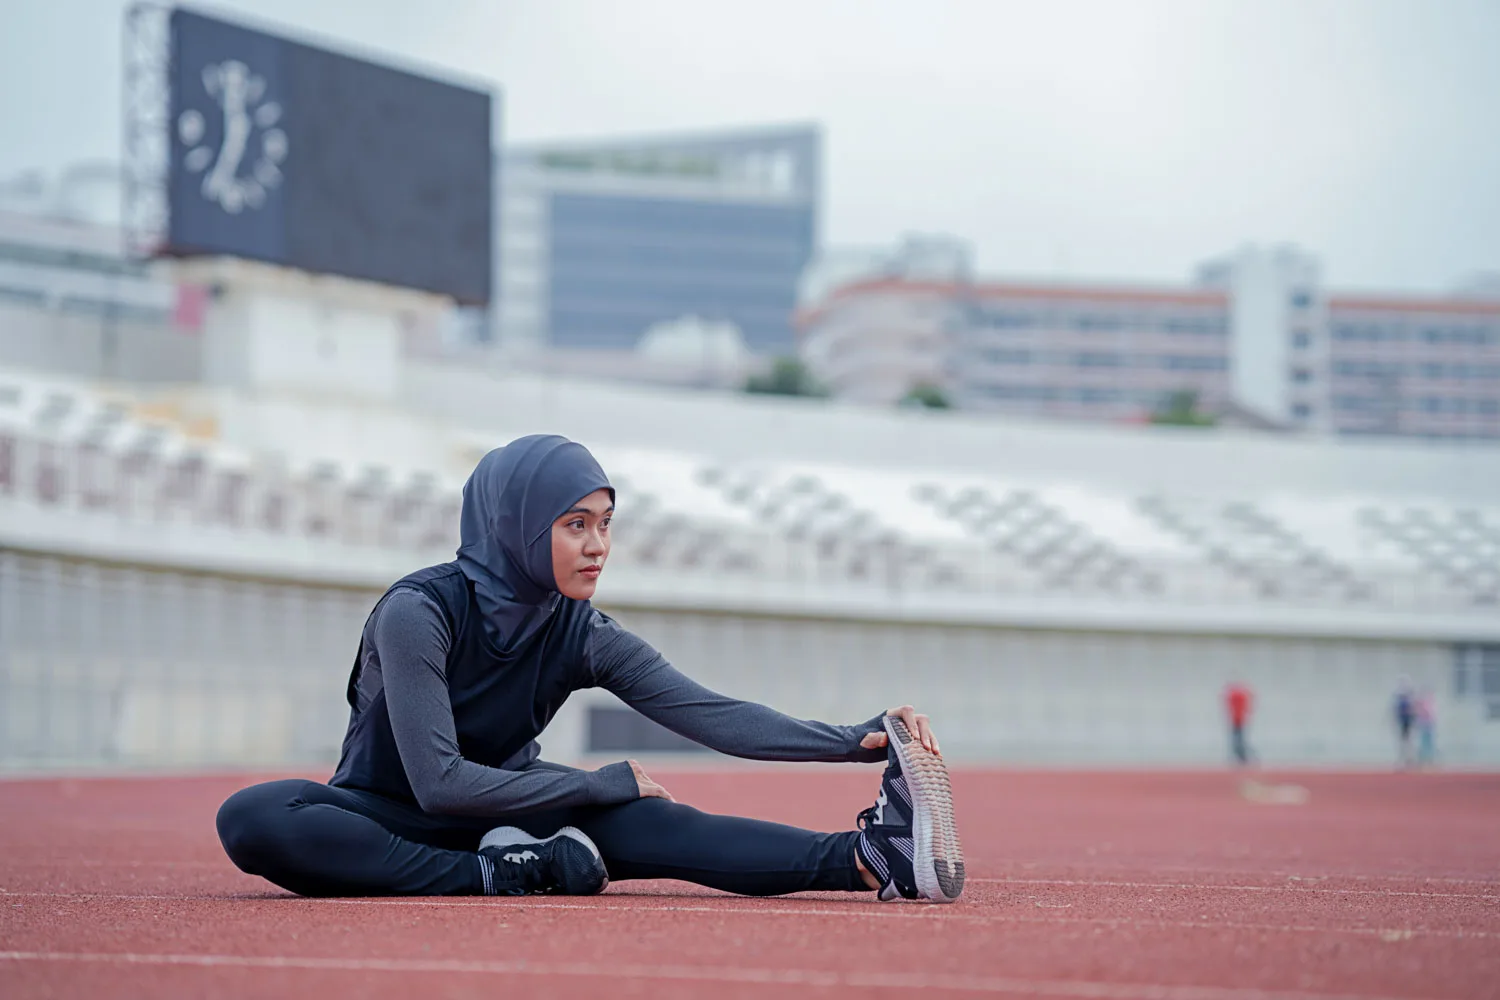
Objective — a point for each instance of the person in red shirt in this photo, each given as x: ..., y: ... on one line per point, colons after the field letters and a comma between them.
x: 1237, y: 701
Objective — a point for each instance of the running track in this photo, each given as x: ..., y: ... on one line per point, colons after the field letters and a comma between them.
x: 1128, y: 886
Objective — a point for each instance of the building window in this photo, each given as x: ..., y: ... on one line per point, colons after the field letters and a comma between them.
x: 1096, y: 395
x: 1301, y: 298
x: 1004, y: 319
x: 1180, y: 362
x: 1301, y: 338
x: 1301, y: 411
x: 1036, y: 393
x: 1301, y: 376
x: 25, y: 296
x: 1088, y: 321
x: 1476, y: 675
x: 1203, y: 325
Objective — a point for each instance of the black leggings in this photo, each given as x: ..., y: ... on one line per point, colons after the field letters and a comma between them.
x: 317, y: 840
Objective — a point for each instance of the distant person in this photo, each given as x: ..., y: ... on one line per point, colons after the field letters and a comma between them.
x: 460, y: 667
x: 1426, y: 721
x: 1404, y: 708
x: 1237, y: 704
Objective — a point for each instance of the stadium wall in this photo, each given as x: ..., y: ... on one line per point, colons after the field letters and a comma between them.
x: 191, y: 654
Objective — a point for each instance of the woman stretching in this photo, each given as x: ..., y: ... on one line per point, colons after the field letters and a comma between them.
x: 461, y: 666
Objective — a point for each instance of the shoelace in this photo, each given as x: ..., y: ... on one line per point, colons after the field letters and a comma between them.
x: 529, y: 876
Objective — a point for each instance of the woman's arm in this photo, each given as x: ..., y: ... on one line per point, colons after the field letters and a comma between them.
x: 627, y: 666
x: 411, y: 640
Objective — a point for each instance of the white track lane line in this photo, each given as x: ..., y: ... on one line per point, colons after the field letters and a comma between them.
x: 862, y: 911
x: 1229, y: 887
x: 1301, y: 875
x: 1088, y: 990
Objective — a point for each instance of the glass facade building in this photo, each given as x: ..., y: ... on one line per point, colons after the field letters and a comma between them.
x: 596, y: 244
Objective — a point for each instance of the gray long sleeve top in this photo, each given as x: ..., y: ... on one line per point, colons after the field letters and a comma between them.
x: 405, y: 652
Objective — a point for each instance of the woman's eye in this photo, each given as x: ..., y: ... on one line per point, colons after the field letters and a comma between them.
x: 576, y: 525
x: 604, y: 524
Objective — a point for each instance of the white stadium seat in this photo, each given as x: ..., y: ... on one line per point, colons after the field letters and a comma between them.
x: 65, y: 446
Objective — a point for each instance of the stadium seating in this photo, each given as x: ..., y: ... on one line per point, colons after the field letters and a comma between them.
x: 67, y: 447
x: 1459, y: 549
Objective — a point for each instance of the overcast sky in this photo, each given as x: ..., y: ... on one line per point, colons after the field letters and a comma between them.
x: 1118, y: 139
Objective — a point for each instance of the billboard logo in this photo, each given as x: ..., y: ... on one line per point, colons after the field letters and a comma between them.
x: 247, y: 163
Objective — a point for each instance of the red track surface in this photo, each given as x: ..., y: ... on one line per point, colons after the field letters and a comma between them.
x: 1103, y: 886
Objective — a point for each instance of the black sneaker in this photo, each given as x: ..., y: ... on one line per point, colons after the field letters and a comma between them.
x: 907, y: 838
x: 514, y: 863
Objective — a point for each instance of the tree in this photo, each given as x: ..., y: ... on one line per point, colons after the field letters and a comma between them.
x: 787, y: 377
x: 927, y: 395
x: 1180, y: 409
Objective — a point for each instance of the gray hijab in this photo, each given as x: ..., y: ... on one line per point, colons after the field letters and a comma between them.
x: 505, y: 529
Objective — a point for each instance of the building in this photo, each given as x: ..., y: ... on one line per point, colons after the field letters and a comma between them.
x: 72, y: 301
x: 1256, y: 333
x: 890, y: 335
x: 599, y: 241
x: 1400, y: 365
x: 1093, y: 353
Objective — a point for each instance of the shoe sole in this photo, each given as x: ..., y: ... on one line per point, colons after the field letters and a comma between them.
x: 938, y: 860
x: 514, y: 836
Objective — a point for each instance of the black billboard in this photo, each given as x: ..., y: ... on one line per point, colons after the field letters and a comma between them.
x: 295, y: 155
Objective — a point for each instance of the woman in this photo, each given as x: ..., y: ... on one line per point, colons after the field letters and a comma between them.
x: 1426, y: 720
x: 460, y: 666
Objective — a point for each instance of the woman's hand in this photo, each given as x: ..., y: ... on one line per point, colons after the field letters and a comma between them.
x: 916, y: 724
x: 649, y: 789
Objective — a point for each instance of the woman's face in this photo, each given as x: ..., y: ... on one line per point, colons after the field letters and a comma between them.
x: 580, y: 544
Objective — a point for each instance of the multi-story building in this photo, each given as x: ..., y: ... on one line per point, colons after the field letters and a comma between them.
x: 1256, y: 332
x: 1103, y: 353
x: 1405, y: 365
x: 598, y: 242
x: 885, y: 322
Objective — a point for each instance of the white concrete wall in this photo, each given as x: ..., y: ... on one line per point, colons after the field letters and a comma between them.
x: 1032, y: 695
x: 163, y: 667
x: 260, y: 340
x: 522, y: 275
x: 1262, y: 316
x: 274, y: 329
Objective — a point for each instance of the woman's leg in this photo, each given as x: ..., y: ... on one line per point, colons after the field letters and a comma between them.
x: 317, y: 840
x: 654, y: 838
